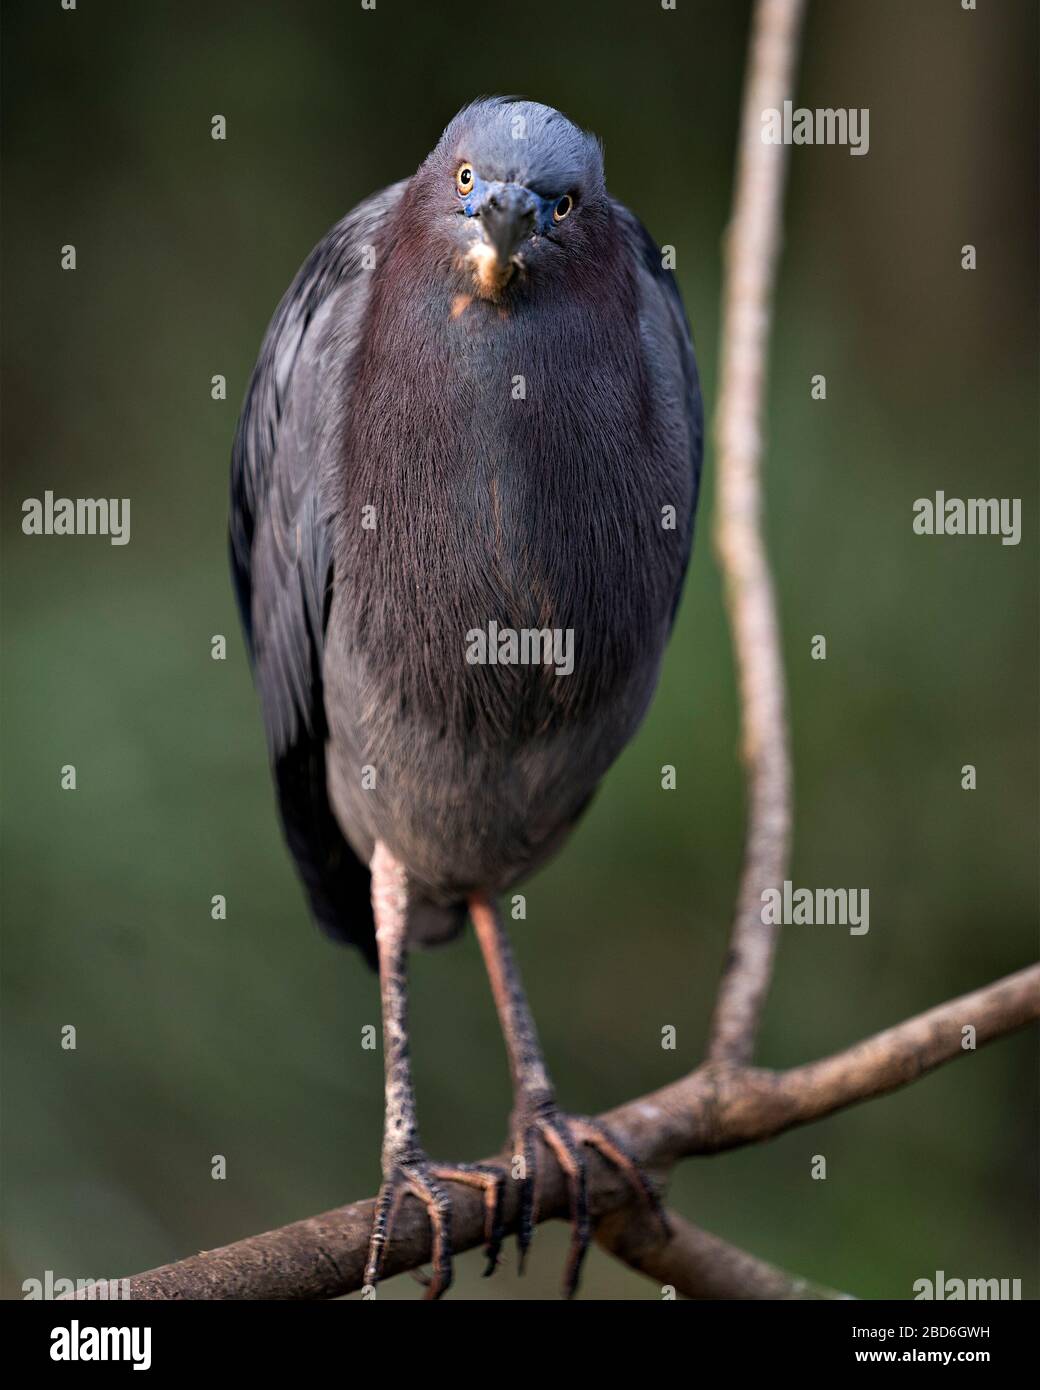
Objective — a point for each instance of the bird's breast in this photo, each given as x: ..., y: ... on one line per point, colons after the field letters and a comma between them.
x: 502, y: 595
x: 508, y: 475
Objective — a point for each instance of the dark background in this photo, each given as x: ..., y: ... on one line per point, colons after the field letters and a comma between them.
x: 242, y: 1037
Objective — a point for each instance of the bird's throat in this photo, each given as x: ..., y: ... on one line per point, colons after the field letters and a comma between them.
x: 490, y: 275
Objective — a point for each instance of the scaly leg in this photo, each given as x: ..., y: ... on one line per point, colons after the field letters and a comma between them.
x: 406, y: 1169
x: 535, y: 1114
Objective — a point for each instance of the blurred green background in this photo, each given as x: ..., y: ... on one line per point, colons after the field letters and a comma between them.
x: 242, y: 1037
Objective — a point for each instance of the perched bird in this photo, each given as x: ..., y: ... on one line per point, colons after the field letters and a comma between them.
x: 462, y: 500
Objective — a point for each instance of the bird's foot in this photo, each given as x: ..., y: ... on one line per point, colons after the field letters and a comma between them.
x: 537, y: 1118
x: 417, y: 1176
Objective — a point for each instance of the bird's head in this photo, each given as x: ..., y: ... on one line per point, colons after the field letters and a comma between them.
x: 512, y: 192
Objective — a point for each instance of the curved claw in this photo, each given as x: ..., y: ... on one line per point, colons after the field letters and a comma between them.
x: 557, y: 1134
x: 525, y: 1223
x: 421, y: 1179
x: 608, y: 1146
x: 566, y: 1135
x: 418, y: 1179
x: 493, y: 1184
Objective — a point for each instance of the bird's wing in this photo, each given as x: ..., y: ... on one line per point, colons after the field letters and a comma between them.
x: 281, y: 548
x: 668, y: 345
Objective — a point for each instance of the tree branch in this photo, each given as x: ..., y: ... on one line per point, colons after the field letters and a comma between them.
x: 752, y: 249
x: 720, y: 1106
x: 696, y: 1264
x: 716, y: 1107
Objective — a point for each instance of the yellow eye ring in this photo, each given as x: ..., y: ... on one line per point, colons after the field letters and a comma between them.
x: 562, y: 207
x: 464, y: 179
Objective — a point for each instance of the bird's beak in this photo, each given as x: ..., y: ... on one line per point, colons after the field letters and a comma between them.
x: 507, y: 218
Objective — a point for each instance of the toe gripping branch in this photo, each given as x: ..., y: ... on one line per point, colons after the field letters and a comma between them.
x: 536, y: 1119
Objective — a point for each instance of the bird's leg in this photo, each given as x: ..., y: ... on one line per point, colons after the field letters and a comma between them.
x: 535, y: 1113
x: 406, y: 1169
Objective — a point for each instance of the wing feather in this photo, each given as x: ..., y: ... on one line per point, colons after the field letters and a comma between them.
x: 668, y: 345
x: 281, y: 549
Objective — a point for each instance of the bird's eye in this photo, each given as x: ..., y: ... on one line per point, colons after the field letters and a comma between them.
x: 563, y: 207
x: 464, y: 179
